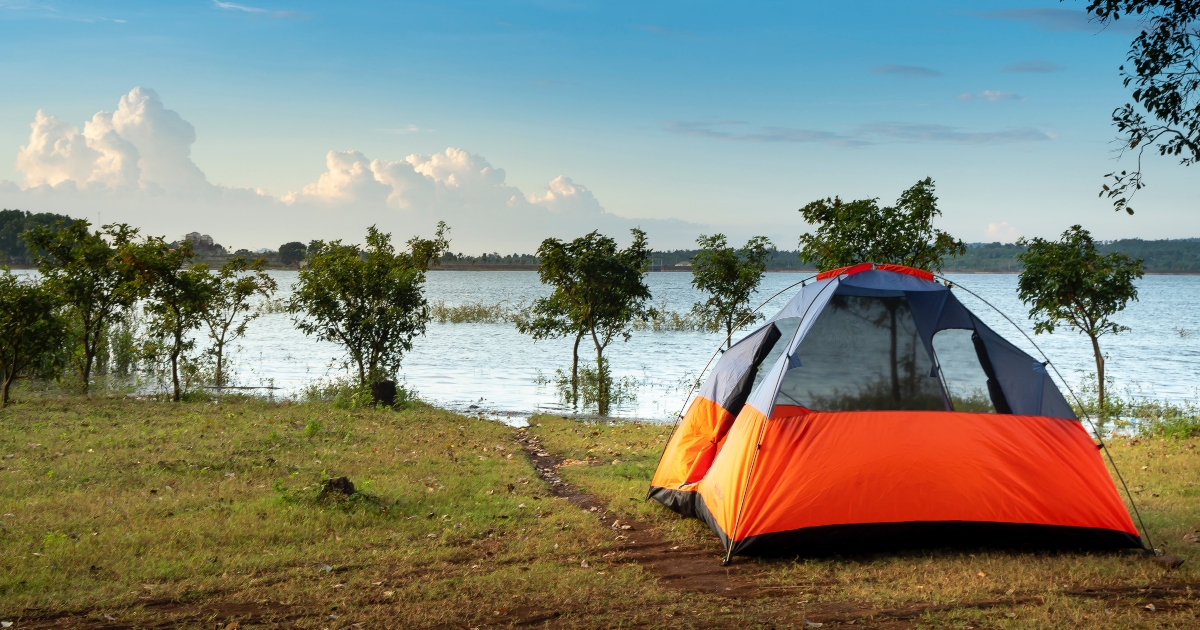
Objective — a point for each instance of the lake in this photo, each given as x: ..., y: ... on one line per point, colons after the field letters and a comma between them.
x: 494, y: 370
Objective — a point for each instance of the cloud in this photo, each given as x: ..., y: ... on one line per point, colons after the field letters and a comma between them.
x: 1061, y: 20
x: 134, y: 165
x: 990, y: 96
x: 1034, y: 66
x: 1002, y: 232
x: 233, y: 6
x: 910, y: 72
x: 876, y: 133
x: 406, y: 129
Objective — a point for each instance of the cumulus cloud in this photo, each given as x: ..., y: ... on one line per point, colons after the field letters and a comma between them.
x: 1002, y: 232
x: 990, y: 96
x: 140, y: 145
x: 910, y: 72
x: 134, y: 165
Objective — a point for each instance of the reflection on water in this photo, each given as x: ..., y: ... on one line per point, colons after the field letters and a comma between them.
x: 492, y: 368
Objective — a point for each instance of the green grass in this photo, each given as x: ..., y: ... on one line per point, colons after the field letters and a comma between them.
x: 153, y: 513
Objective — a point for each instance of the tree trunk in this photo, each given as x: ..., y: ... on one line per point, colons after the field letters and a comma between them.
x: 220, y: 375
x: 728, y: 332
x: 601, y: 378
x: 1099, y: 377
x: 175, y: 365
x: 89, y: 353
x: 8, y: 378
x: 575, y: 371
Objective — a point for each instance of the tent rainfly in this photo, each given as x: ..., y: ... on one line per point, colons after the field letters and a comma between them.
x: 875, y: 412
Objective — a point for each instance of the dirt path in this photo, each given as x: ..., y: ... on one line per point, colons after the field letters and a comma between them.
x: 698, y: 568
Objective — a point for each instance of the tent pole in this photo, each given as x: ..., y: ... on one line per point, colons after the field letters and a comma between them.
x: 696, y: 383
x: 1086, y: 415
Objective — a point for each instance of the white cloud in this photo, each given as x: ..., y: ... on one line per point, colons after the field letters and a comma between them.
x: 1002, y: 232
x: 233, y: 6
x: 134, y: 165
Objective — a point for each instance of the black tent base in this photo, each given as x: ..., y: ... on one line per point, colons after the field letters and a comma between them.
x: 884, y: 537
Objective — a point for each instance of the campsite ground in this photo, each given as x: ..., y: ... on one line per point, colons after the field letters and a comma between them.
x: 124, y: 513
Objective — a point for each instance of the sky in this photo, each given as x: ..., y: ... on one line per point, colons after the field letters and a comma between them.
x: 264, y: 122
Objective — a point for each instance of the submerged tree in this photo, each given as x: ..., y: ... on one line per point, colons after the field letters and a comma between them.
x: 860, y: 231
x: 179, y: 297
x: 550, y: 318
x: 369, y: 301
x: 229, y: 310
x: 1164, y: 70
x: 96, y: 274
x: 32, y: 332
x: 599, y: 290
x: 1068, y: 282
x: 730, y: 277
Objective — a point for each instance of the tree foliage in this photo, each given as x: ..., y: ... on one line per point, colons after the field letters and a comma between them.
x: 32, y: 331
x: 14, y: 223
x: 292, y: 253
x: 730, y: 277
x: 229, y: 310
x: 1068, y: 282
x: 369, y: 301
x: 860, y: 231
x: 97, y: 274
x: 1163, y: 70
x: 599, y: 290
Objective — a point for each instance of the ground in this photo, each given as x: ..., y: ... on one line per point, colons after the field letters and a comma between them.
x: 121, y: 513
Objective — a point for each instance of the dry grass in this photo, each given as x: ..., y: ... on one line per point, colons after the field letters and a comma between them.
x: 1164, y: 472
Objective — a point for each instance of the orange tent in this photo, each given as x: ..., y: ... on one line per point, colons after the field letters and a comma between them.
x: 874, y: 411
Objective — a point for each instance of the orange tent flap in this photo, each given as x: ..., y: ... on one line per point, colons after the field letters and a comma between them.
x: 700, y: 424
x: 834, y: 468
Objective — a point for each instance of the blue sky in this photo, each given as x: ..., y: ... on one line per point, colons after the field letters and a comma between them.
x: 718, y: 116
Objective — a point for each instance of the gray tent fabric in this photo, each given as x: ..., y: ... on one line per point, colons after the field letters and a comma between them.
x: 1021, y: 385
x: 729, y: 383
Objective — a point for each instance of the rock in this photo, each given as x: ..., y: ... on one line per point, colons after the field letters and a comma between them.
x: 1169, y: 562
x: 384, y: 393
x: 337, y: 485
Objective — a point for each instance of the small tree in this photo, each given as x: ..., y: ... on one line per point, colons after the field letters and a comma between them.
x: 179, y: 297
x: 229, y: 310
x: 550, y: 318
x: 729, y: 277
x: 599, y: 289
x: 292, y: 253
x: 1068, y: 282
x: 32, y: 332
x: 861, y: 231
x: 371, y: 302
x: 97, y: 274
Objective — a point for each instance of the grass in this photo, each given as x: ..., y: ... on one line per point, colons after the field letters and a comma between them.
x: 155, y: 513
x: 1164, y: 473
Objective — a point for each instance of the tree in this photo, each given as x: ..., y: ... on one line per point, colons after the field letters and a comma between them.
x: 179, y: 297
x: 97, y: 274
x: 599, y: 289
x: 370, y: 301
x: 730, y: 277
x: 1165, y: 73
x: 860, y: 231
x: 292, y: 253
x: 228, y: 311
x: 32, y: 332
x: 1068, y: 282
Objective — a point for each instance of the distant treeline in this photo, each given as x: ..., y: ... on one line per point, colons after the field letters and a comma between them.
x: 13, y: 250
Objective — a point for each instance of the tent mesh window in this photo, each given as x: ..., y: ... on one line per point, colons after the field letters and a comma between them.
x: 863, y: 353
x: 787, y: 328
x: 965, y: 379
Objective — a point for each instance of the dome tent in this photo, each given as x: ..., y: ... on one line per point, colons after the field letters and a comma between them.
x: 874, y: 411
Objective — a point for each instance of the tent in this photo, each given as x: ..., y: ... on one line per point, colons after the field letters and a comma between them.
x: 874, y: 411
